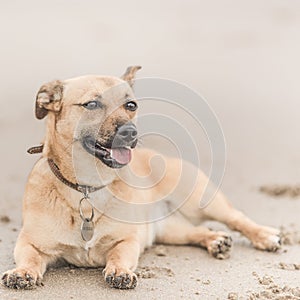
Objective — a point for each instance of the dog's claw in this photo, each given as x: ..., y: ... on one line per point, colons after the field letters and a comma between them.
x: 19, y: 279
x: 121, y: 281
x: 220, y: 247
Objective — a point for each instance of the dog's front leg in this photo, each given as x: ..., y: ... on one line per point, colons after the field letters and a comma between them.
x: 31, y: 265
x: 121, y: 261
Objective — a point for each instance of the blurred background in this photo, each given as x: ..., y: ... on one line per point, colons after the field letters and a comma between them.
x: 242, y: 56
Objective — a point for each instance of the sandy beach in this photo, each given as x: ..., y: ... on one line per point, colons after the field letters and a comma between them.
x: 242, y: 56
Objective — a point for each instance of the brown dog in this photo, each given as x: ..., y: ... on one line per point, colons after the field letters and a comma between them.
x: 91, y: 125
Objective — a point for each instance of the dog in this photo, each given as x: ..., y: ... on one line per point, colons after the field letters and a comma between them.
x: 89, y: 152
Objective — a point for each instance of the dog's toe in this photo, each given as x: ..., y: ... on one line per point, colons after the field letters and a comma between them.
x: 125, y: 281
x: 267, y: 238
x: 109, y: 279
x: 220, y: 246
x: 19, y: 279
x: 121, y: 280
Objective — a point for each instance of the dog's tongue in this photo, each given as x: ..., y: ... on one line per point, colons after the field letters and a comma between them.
x: 121, y: 155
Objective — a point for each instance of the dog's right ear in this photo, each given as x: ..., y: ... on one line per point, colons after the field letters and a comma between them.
x: 48, y: 98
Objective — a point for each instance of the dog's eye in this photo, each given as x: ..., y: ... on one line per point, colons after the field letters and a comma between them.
x: 131, y: 105
x: 92, y: 105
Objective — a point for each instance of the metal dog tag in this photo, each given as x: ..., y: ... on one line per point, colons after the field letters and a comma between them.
x: 87, y: 229
x: 87, y: 225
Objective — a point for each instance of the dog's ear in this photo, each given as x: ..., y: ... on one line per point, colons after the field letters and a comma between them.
x: 48, y: 98
x: 129, y: 75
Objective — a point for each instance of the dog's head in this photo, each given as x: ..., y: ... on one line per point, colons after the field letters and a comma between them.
x: 96, y: 111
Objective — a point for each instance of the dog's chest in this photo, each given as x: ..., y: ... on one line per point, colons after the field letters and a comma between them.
x: 107, y: 233
x: 92, y: 252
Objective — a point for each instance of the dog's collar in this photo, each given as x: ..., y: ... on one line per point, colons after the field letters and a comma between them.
x: 36, y: 149
x: 85, y: 189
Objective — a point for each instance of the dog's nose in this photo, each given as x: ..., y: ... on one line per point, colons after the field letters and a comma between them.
x: 127, y: 132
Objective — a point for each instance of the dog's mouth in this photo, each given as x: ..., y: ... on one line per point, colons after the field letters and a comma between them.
x: 114, y: 157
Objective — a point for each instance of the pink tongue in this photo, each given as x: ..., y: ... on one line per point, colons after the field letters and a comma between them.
x: 121, y: 155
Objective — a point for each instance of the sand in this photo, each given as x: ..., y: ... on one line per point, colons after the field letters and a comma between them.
x: 243, y: 56
x: 281, y: 190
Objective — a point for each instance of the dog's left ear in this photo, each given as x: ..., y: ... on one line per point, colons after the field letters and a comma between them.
x: 129, y: 75
x: 48, y: 98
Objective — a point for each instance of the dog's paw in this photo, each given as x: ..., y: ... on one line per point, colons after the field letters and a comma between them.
x: 220, y: 246
x: 21, y: 279
x: 120, y: 278
x: 267, y: 238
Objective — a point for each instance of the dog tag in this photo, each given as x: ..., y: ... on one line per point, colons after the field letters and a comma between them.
x: 87, y: 229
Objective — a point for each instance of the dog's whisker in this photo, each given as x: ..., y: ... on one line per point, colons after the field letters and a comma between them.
x: 140, y: 138
x: 140, y: 143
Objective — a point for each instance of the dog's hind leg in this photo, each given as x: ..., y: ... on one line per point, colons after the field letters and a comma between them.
x: 219, y: 209
x: 262, y: 237
x: 31, y: 265
x: 176, y: 230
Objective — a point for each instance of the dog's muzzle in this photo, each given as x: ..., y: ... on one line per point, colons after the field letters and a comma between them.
x: 115, y: 153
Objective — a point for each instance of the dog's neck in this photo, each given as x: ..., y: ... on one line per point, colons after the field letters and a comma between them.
x: 75, y: 163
